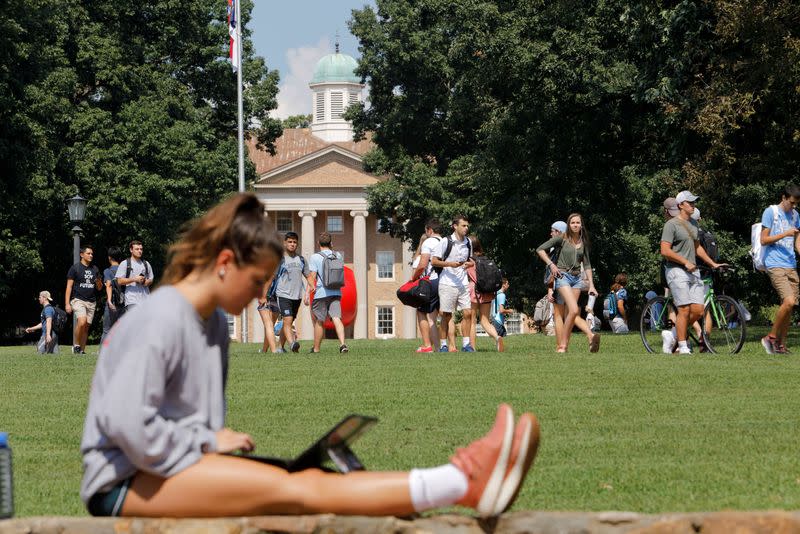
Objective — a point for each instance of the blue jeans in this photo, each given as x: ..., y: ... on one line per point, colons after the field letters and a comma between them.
x: 574, y: 281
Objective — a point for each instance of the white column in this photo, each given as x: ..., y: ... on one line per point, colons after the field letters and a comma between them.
x: 409, y: 313
x: 305, y: 328
x: 360, y: 328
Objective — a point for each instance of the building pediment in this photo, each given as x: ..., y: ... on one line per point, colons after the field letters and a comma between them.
x: 330, y: 166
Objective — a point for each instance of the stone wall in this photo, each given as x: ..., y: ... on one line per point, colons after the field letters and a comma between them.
x: 518, y: 522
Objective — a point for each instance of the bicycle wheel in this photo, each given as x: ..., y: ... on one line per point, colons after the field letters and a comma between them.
x: 655, y: 318
x: 724, y: 327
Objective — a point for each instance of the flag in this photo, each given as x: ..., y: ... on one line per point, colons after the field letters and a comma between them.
x: 233, y: 20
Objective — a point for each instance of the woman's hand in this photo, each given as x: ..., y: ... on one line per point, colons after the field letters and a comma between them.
x: 229, y: 441
x: 554, y: 270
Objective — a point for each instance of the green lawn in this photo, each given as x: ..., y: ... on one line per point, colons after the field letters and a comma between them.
x: 621, y: 429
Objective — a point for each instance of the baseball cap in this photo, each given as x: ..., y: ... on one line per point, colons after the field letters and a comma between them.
x: 671, y: 205
x: 696, y: 214
x: 685, y: 196
x: 561, y: 226
x: 45, y: 294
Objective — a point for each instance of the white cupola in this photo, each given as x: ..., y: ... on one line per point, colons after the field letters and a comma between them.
x: 335, y: 86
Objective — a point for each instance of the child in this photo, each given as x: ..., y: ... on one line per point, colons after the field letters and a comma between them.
x: 154, y: 437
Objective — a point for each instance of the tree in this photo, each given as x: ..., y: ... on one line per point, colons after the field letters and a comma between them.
x: 297, y: 121
x: 522, y: 112
x: 138, y: 116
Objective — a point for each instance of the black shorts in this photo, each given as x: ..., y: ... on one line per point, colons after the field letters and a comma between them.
x: 288, y: 307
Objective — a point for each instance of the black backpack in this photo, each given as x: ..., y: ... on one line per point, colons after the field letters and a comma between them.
x: 448, y: 248
x: 709, y: 243
x: 488, y: 276
x: 59, y: 319
x: 117, y: 294
x: 128, y: 270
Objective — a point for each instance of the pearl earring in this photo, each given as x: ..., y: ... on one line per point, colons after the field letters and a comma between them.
x: 221, y: 272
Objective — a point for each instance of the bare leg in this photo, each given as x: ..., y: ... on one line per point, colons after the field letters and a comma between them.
x: 780, y: 326
x: 226, y: 486
x: 319, y: 332
x: 424, y: 328
x: 473, y: 327
x: 558, y: 323
x: 580, y: 322
x: 287, y: 329
x: 269, y: 331
x: 682, y: 323
x: 571, y: 305
x: 434, y: 329
x: 449, y: 329
x: 467, y: 320
x: 488, y: 325
x: 339, y: 326
x: 81, y: 331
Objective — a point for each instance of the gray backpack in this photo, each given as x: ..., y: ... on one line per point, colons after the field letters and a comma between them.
x: 332, y: 271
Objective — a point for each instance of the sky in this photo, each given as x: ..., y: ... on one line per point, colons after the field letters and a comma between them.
x: 292, y: 36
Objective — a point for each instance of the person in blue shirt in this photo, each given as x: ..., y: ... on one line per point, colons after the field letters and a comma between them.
x: 48, y: 343
x: 499, y: 309
x: 327, y: 302
x: 111, y: 313
x: 780, y: 225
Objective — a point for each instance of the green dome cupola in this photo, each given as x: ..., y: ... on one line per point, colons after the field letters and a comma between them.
x: 336, y: 68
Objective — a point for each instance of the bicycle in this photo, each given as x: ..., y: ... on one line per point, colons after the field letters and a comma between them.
x: 723, y: 327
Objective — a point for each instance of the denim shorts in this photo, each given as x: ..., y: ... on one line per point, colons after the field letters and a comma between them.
x: 575, y: 281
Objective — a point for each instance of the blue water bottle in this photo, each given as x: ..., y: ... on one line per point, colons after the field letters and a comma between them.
x: 6, y: 481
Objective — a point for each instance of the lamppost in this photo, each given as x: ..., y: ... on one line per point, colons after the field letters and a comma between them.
x: 76, y: 207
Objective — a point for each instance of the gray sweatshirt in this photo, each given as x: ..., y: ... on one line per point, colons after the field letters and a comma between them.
x: 158, y: 393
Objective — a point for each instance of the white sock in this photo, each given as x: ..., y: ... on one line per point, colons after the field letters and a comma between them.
x: 464, y: 341
x: 682, y: 345
x: 443, y: 343
x: 436, y: 487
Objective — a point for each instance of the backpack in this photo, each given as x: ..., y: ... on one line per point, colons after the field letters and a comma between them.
x: 117, y: 294
x: 332, y: 271
x: 129, y: 269
x: 548, y: 274
x: 488, y: 276
x: 757, y: 251
x: 709, y: 243
x: 273, y: 287
x: 59, y: 319
x: 610, y: 305
x: 449, y: 248
x: 542, y: 312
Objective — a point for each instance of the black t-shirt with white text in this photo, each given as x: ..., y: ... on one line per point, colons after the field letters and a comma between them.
x: 84, y: 278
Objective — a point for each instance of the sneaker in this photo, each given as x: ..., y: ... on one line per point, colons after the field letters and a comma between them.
x: 780, y: 348
x: 312, y: 351
x: 770, y: 344
x: 424, y: 349
x: 343, y: 349
x: 667, y: 341
x: 594, y: 344
x: 523, y: 451
x: 443, y: 348
x: 82, y: 351
x: 684, y: 350
x: 76, y: 349
x: 279, y: 350
x: 295, y: 346
x: 467, y: 348
x: 484, y: 463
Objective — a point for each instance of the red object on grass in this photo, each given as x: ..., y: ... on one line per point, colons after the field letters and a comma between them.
x: 349, y: 300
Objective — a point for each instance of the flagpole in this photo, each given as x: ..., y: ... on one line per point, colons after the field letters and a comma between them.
x: 240, y: 106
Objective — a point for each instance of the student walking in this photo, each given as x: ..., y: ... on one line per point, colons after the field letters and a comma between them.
x: 427, y: 315
x: 780, y: 226
x: 615, y: 306
x: 500, y: 309
x: 481, y: 303
x: 567, y: 270
x: 289, y: 288
x: 558, y: 228
x: 680, y: 248
x: 326, y: 293
x: 135, y: 275
x: 453, y: 258
x: 164, y: 455
x: 83, y: 283
x: 48, y: 342
x: 110, y: 311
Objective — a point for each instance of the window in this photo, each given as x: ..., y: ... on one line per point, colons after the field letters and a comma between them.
x: 337, y: 105
x: 335, y: 224
x: 385, y: 323
x: 514, y: 323
x: 353, y: 98
x: 319, y: 107
x: 285, y: 222
x: 231, y: 325
x: 379, y: 222
x: 385, y: 261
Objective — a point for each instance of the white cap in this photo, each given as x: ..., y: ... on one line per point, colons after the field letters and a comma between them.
x: 561, y: 226
x: 685, y: 196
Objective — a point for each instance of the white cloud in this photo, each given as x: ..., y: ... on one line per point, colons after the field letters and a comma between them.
x: 294, y: 96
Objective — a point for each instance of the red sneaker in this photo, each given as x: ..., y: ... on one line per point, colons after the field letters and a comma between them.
x: 523, y: 451
x: 424, y: 349
x: 484, y: 462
